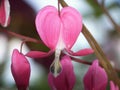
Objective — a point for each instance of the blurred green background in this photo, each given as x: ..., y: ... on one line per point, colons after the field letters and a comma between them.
x: 23, y: 13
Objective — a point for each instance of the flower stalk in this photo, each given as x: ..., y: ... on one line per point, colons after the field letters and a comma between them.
x: 25, y: 38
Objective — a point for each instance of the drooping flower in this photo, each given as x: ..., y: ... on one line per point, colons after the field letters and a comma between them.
x: 20, y: 68
x: 4, y: 13
x: 113, y: 86
x: 59, y: 31
x: 95, y: 78
x: 66, y: 79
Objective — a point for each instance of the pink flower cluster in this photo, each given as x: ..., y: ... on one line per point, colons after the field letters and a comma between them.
x: 59, y: 30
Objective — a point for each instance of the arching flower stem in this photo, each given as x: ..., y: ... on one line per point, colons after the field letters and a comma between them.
x: 22, y: 43
x: 81, y: 61
x: 21, y: 36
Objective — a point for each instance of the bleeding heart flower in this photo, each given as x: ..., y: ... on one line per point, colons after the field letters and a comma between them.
x: 20, y: 68
x: 59, y: 31
x: 66, y: 79
x: 4, y: 13
x: 113, y: 86
x: 95, y: 78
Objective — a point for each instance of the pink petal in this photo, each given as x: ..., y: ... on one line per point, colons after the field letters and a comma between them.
x: 95, y: 78
x: 113, y: 86
x: 82, y: 52
x: 66, y: 79
x: 39, y: 54
x: 4, y: 13
x: 20, y: 68
x: 72, y: 25
x: 48, y: 26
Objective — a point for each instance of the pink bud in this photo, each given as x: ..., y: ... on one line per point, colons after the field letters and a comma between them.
x: 113, y: 86
x: 20, y: 68
x: 58, y: 30
x: 66, y: 79
x: 95, y: 78
x: 4, y: 13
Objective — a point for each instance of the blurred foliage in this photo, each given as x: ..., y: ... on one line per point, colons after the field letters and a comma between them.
x: 40, y: 84
x: 97, y: 10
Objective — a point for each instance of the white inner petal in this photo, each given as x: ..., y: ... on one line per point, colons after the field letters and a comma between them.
x: 60, y: 44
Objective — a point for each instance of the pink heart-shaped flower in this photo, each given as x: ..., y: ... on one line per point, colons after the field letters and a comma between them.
x: 58, y: 30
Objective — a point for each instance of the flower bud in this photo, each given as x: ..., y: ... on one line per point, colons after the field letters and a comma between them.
x: 113, y: 86
x: 95, y: 78
x: 20, y: 68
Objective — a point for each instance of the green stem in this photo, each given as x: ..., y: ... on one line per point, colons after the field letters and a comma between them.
x: 63, y: 3
x: 81, y: 61
x: 21, y: 36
